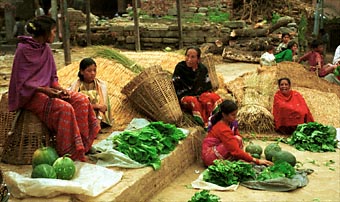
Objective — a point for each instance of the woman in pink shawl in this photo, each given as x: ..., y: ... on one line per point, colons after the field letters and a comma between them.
x: 34, y: 86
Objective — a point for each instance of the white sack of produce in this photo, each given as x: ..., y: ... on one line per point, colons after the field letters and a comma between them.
x: 90, y: 180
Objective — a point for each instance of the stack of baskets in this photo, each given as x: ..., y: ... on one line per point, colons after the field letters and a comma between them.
x: 27, y: 135
x: 152, y: 92
x: 6, y: 119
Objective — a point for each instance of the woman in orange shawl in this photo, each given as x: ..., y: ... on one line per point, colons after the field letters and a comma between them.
x: 289, y: 108
x: 95, y: 89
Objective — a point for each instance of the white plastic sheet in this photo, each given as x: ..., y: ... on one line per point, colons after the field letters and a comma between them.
x: 199, y: 183
x: 89, y: 180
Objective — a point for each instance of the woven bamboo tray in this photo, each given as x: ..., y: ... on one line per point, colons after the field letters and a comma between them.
x: 6, y: 119
x: 27, y: 135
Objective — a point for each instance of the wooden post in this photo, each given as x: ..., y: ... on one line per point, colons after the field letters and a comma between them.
x: 66, y: 31
x: 179, y: 21
x: 54, y: 15
x: 136, y: 22
x: 88, y: 22
x: 9, y: 20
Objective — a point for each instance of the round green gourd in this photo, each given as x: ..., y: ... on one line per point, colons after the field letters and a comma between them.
x: 270, y: 150
x: 254, y: 149
x: 44, y: 155
x: 43, y: 171
x: 284, y: 156
x: 64, y: 168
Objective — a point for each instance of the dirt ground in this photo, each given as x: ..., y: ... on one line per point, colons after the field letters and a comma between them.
x: 324, y: 184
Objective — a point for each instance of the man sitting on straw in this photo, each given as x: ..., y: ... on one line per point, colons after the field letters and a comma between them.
x: 193, y: 87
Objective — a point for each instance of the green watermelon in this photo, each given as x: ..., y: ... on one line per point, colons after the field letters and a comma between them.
x: 270, y: 150
x: 44, y: 155
x: 284, y: 156
x: 254, y: 149
x: 65, y: 168
x: 43, y: 171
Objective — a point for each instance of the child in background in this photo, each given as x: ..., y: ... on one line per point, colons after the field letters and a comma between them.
x: 316, y: 61
x: 285, y: 37
x: 95, y: 89
x: 268, y: 58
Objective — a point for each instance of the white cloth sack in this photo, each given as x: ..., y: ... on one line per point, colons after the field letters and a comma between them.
x: 89, y: 180
x: 199, y: 183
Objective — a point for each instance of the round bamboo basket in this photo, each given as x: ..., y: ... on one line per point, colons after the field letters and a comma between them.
x: 208, y: 61
x: 6, y: 119
x: 152, y: 92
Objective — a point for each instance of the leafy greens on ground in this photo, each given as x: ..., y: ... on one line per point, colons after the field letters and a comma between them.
x: 204, y: 196
x: 146, y: 144
x: 225, y: 173
x: 280, y: 169
x: 314, y: 137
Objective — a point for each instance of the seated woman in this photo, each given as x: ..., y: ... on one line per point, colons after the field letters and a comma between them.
x: 95, y: 89
x: 223, y: 140
x: 289, y: 108
x: 316, y: 61
x: 288, y: 54
x: 34, y: 86
x: 193, y: 87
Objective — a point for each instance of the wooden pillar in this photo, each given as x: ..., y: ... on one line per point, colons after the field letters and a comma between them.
x: 66, y: 31
x: 136, y: 22
x: 88, y: 22
x: 179, y: 21
x: 9, y: 20
x: 54, y: 15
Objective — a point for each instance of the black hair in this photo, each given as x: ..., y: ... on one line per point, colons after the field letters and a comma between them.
x: 282, y: 79
x: 198, y: 50
x: 269, y: 47
x: 84, y: 63
x: 285, y: 34
x: 315, y: 43
x: 40, y: 26
x: 226, y: 107
x: 291, y: 44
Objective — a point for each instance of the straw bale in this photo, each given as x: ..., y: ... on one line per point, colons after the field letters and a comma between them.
x: 300, y: 77
x: 325, y: 107
x: 116, y: 76
x: 167, y: 60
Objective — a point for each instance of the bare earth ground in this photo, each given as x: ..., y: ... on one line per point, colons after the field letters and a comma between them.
x: 324, y: 183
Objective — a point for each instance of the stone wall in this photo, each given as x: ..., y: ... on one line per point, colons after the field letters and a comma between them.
x: 156, y: 35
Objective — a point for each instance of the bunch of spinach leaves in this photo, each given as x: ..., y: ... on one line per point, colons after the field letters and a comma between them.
x: 204, y: 196
x: 314, y: 137
x: 279, y: 169
x: 225, y: 173
x: 146, y: 144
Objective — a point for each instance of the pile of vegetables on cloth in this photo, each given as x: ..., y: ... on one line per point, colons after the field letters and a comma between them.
x: 47, y: 164
x: 204, y: 196
x: 145, y: 145
x: 314, y: 137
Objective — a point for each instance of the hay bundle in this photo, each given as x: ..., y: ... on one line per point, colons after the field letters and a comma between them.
x: 255, y: 119
x: 116, y: 77
x: 325, y: 107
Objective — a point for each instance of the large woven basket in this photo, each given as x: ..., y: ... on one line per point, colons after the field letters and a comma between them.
x: 27, y: 135
x: 152, y: 92
x: 6, y: 119
x: 208, y: 61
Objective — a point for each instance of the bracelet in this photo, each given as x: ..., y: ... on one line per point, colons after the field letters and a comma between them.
x: 257, y: 161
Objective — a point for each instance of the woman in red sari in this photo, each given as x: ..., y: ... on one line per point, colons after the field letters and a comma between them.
x: 34, y: 86
x: 223, y: 140
x: 289, y: 108
x: 193, y: 87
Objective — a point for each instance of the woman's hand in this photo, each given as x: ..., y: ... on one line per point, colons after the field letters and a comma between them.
x: 50, y: 92
x: 100, y: 107
x: 263, y: 162
x: 64, y: 94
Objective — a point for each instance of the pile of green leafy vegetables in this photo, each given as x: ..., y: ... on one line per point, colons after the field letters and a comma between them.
x: 225, y: 173
x: 204, y: 196
x: 146, y: 144
x: 279, y: 169
x: 314, y: 137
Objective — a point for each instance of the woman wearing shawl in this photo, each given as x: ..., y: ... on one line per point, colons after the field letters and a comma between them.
x: 223, y: 140
x: 34, y: 86
x: 288, y: 54
x: 289, y: 108
x: 95, y: 89
x: 193, y: 87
